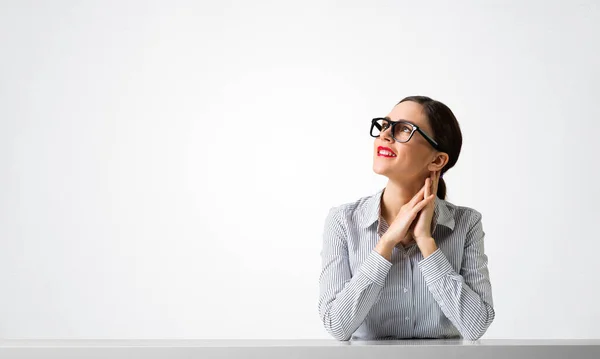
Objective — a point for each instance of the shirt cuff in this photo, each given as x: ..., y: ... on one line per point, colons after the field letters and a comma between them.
x: 435, y: 266
x: 376, y: 267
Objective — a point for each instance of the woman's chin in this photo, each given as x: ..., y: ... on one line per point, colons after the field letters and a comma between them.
x: 381, y: 169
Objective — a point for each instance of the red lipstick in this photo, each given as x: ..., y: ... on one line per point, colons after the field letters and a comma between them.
x: 389, y: 152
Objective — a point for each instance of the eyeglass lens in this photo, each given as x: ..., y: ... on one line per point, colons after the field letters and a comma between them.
x: 401, y: 133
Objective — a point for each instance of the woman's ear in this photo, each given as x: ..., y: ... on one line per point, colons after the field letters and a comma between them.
x: 438, y: 162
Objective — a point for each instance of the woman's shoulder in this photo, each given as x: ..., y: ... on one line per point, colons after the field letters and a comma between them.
x: 348, y: 207
x: 462, y: 214
x: 358, y: 211
x: 356, y: 204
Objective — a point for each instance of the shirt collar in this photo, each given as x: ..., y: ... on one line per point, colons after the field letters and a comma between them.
x: 443, y: 213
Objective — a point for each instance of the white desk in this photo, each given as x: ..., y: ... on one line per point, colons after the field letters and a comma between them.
x: 313, y: 349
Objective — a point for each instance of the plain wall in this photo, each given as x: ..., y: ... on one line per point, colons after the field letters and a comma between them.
x: 166, y: 166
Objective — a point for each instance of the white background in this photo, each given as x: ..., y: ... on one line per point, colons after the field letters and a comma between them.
x: 166, y: 167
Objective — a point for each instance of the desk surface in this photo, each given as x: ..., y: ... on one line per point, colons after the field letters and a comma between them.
x: 313, y: 349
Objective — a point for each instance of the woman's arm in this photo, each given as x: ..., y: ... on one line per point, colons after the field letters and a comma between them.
x: 345, y: 301
x: 465, y: 298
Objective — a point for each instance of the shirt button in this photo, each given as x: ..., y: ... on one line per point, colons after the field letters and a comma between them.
x: 405, y: 290
x: 407, y: 318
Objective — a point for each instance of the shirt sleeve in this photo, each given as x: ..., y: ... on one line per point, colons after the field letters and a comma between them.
x: 465, y: 298
x: 345, y: 300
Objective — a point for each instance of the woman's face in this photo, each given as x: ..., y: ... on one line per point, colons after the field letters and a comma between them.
x: 412, y: 157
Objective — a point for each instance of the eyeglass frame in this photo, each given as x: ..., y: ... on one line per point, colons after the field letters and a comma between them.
x: 414, y: 127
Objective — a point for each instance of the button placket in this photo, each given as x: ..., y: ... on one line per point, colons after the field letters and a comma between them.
x: 409, y: 300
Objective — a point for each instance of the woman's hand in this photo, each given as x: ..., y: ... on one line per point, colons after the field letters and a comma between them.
x: 422, y: 228
x: 399, y: 228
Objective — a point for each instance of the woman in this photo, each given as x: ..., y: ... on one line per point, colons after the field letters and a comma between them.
x: 425, y: 274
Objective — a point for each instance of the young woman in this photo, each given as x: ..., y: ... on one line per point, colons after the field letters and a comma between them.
x: 404, y: 262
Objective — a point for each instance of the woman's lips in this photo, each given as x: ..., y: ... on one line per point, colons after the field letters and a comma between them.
x: 388, y: 152
x: 382, y: 155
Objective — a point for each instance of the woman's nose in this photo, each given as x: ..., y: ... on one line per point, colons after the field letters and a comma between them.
x: 386, y: 135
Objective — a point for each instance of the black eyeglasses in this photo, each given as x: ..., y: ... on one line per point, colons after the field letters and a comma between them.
x: 402, y: 131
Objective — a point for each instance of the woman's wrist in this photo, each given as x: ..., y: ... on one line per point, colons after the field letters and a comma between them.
x: 427, y: 246
x: 385, y: 247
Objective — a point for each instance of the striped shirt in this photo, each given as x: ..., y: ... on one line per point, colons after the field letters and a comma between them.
x: 363, y: 296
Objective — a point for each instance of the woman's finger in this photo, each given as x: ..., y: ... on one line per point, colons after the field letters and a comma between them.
x: 423, y: 203
x: 417, y: 197
x: 434, y: 181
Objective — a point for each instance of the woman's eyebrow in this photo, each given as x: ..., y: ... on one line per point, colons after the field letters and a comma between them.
x: 403, y: 120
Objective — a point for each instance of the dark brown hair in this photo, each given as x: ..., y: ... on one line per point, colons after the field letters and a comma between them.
x: 446, y: 132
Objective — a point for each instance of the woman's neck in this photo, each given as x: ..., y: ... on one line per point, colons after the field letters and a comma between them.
x: 395, y: 195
